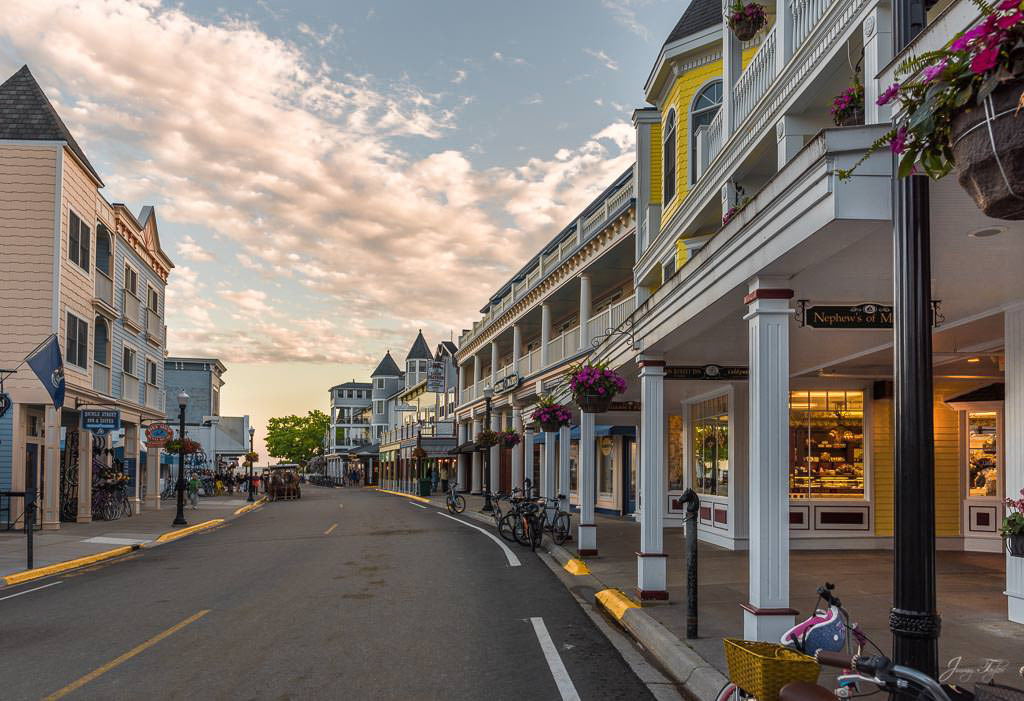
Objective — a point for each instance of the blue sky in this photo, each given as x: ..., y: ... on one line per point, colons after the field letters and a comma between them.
x: 330, y: 177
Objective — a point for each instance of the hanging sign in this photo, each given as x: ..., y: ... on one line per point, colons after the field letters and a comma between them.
x: 706, y: 372
x: 507, y: 383
x: 435, y: 376
x: 624, y: 406
x: 158, y: 435
x: 5, y: 403
x: 101, y: 421
x: 866, y: 315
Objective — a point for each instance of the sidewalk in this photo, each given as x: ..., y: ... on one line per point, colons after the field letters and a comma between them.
x: 74, y: 540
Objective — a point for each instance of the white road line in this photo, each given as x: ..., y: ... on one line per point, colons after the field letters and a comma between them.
x: 419, y: 505
x: 29, y: 591
x: 513, y: 561
x: 555, y: 664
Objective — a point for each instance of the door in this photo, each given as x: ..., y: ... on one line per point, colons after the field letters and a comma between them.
x: 629, y: 475
x: 983, y: 478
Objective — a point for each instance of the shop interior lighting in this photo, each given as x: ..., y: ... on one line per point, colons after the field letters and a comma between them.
x: 974, y: 360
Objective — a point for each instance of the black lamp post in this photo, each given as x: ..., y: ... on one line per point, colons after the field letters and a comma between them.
x: 179, y: 519
x: 252, y: 432
x: 488, y: 507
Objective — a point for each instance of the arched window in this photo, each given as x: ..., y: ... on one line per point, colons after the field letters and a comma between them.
x: 705, y: 107
x: 668, y: 154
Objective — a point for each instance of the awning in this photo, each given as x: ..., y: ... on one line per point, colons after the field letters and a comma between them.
x: 467, y: 447
x: 574, y: 433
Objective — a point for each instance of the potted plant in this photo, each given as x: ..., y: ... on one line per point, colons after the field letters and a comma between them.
x: 746, y: 20
x: 508, y: 439
x: 848, y: 106
x: 1013, y: 526
x: 961, y: 108
x: 551, y: 415
x: 594, y: 386
x: 174, y: 447
x: 487, y: 438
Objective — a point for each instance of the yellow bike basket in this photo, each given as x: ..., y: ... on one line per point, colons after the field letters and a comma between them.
x: 762, y: 669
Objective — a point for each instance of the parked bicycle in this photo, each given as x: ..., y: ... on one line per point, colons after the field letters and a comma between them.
x: 455, y: 502
x: 111, y: 503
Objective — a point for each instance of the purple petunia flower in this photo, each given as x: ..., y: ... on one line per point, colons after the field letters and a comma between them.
x: 888, y: 94
x: 932, y: 72
x: 899, y: 141
x: 986, y: 60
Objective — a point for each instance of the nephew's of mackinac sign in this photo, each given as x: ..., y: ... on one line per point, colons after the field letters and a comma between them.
x: 866, y: 315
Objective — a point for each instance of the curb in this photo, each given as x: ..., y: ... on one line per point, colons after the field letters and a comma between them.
x: 249, y: 507
x: 182, y: 532
x: 681, y: 662
x: 38, y: 572
x: 403, y: 494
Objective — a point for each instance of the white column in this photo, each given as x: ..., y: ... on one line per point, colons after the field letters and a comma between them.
x: 495, y: 472
x: 545, y: 334
x: 131, y: 451
x: 49, y: 492
x: 460, y: 476
x: 1013, y: 421
x: 564, y: 443
x: 478, y: 459
x: 494, y: 363
x: 517, y: 450
x: 584, y: 312
x: 84, y: 476
x: 547, y: 473
x: 587, y: 544
x: 152, y: 478
x: 651, y: 581
x: 877, y: 54
x: 768, y: 615
x: 517, y: 348
x: 527, y: 457
x: 732, y: 66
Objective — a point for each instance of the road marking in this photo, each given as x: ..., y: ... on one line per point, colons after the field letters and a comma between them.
x: 513, y: 561
x: 109, y: 540
x: 98, y: 672
x: 328, y: 531
x: 418, y: 505
x: 29, y: 591
x: 555, y: 664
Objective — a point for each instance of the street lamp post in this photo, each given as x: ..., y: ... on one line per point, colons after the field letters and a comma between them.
x: 252, y: 432
x: 488, y: 507
x: 179, y: 518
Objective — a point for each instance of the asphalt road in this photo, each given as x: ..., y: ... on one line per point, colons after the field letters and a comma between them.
x: 395, y: 602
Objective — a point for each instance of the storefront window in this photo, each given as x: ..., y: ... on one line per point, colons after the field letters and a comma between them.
x: 710, y: 432
x: 826, y: 445
x: 606, y: 465
x: 982, y: 454
x: 675, y: 452
x: 574, y: 461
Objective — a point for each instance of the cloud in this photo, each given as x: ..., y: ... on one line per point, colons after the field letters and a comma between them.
x: 305, y: 174
x: 534, y: 99
x: 624, y: 14
x: 609, y: 63
x: 460, y: 75
x: 321, y: 39
x: 190, y: 250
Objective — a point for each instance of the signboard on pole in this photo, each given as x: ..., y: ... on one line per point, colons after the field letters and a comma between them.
x: 435, y: 376
x: 158, y: 435
x: 101, y: 421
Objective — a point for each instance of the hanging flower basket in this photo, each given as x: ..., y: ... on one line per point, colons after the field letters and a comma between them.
x: 551, y: 415
x: 508, y: 439
x: 1013, y: 526
x: 848, y: 106
x: 747, y: 20
x: 487, y: 438
x: 174, y: 447
x: 989, y: 152
x: 594, y: 386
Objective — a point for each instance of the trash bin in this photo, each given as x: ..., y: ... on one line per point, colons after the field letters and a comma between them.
x: 424, y: 488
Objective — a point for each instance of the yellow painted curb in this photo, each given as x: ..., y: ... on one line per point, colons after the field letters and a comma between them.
x: 615, y: 602
x: 182, y: 532
x: 249, y: 507
x: 576, y: 567
x: 29, y: 575
x: 407, y: 496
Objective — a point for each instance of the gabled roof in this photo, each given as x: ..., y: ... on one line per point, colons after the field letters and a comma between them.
x: 420, y: 350
x: 445, y: 347
x: 698, y: 15
x: 387, y: 367
x: 26, y: 114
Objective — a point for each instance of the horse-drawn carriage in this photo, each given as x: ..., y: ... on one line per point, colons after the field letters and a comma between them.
x: 283, y: 482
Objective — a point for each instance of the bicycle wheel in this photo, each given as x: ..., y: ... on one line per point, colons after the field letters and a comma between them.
x: 110, y: 510
x: 459, y: 503
x: 507, y: 527
x: 562, y: 528
x: 521, y: 529
x: 126, y: 507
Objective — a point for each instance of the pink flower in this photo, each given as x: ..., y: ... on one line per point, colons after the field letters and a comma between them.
x: 986, y: 60
x: 1009, y: 20
x: 932, y: 72
x: 888, y: 94
x: 1008, y: 4
x: 899, y: 141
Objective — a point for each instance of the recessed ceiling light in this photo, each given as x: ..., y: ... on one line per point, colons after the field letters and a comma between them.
x: 987, y: 232
x: 974, y: 360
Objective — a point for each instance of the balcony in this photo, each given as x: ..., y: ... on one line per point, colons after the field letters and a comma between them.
x: 429, y: 429
x: 104, y: 291
x: 101, y: 377
x: 131, y: 310
x: 566, y: 345
x: 154, y: 327
x: 154, y: 397
x: 610, y: 319
x: 130, y: 388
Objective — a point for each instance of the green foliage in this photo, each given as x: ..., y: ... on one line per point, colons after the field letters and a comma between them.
x: 297, y: 438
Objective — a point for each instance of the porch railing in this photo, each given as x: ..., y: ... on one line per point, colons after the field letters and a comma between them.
x: 101, y: 377
x: 104, y: 288
x: 130, y: 387
x: 756, y: 78
x: 806, y: 14
x: 132, y: 309
x: 153, y: 325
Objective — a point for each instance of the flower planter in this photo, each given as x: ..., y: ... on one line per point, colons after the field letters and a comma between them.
x: 854, y: 117
x: 593, y: 403
x: 550, y: 426
x: 978, y: 165
x: 746, y: 29
x: 1015, y: 545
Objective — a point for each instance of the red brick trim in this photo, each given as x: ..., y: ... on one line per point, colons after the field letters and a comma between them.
x: 766, y: 293
x: 750, y: 608
x: 586, y: 553
x: 651, y: 595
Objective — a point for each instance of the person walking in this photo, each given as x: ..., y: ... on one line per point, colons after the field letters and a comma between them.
x: 444, y: 478
x: 193, y: 490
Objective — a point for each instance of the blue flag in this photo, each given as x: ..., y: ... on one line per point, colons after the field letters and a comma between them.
x: 49, y: 368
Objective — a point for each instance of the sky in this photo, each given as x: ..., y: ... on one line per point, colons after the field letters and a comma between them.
x: 329, y: 177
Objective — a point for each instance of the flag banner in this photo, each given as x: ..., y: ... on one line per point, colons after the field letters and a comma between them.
x: 49, y: 368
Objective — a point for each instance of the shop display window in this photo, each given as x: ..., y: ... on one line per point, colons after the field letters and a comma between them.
x: 982, y: 454
x: 574, y: 461
x: 826, y: 445
x: 675, y: 453
x: 605, y: 465
x: 710, y: 432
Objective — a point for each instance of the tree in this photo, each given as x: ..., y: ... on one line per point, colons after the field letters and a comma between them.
x: 297, y: 438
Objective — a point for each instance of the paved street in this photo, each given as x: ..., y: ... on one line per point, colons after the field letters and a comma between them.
x: 395, y: 602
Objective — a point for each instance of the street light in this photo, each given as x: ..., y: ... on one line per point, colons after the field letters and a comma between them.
x: 488, y: 393
x: 252, y: 432
x: 179, y: 519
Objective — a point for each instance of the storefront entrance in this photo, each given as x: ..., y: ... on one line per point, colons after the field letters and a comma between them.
x: 981, y: 441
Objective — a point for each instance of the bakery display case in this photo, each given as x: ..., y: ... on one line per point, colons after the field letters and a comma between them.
x: 826, y: 445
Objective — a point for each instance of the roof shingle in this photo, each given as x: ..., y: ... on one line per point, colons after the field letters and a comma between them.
x: 698, y: 15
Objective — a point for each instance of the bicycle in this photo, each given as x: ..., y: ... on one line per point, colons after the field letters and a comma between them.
x: 556, y: 522
x: 455, y: 502
x: 875, y: 669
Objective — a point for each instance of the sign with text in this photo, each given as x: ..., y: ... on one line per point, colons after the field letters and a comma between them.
x: 624, y: 406
x: 706, y: 372
x: 435, y: 376
x: 101, y: 421
x: 868, y: 315
x: 158, y: 435
x: 506, y: 384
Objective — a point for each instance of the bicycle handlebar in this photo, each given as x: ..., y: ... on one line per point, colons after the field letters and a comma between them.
x: 882, y: 670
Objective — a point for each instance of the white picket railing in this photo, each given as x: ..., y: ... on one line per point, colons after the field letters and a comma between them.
x: 713, y: 139
x: 620, y: 196
x: 622, y: 310
x: 756, y: 78
x: 535, y: 360
x: 806, y: 14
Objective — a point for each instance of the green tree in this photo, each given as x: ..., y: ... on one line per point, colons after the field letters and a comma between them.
x: 297, y: 438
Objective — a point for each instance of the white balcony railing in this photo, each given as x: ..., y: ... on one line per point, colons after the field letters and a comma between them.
x: 132, y: 309
x: 104, y: 288
x: 154, y: 326
x: 154, y: 397
x: 756, y: 78
x: 806, y: 14
x: 713, y: 141
x: 130, y: 388
x: 620, y: 196
x: 101, y: 377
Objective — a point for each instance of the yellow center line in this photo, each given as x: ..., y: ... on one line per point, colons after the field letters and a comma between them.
x: 79, y: 683
x: 328, y: 531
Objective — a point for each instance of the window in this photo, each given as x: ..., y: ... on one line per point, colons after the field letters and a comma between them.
x: 606, y: 465
x: 710, y: 441
x: 378, y: 406
x: 668, y: 269
x: 826, y: 445
x: 131, y: 280
x: 675, y: 453
x: 153, y: 299
x: 128, y: 361
x: 705, y: 107
x: 378, y: 383
x: 77, y: 351
x: 669, y: 156
x: 423, y: 365
x: 982, y: 454
x: 150, y: 372
x: 78, y: 241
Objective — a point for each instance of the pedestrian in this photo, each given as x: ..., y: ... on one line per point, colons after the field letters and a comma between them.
x: 444, y: 478
x: 193, y: 490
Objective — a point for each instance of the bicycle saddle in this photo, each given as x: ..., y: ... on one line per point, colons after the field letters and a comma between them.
x: 802, y: 691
